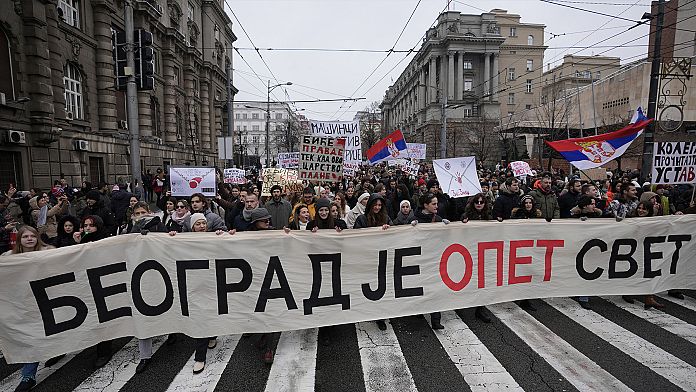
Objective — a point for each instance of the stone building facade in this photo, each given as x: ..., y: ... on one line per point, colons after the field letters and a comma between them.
x: 459, y: 72
x: 62, y: 98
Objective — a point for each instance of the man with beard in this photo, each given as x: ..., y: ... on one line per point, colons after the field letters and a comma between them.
x: 545, y: 199
x: 279, y: 208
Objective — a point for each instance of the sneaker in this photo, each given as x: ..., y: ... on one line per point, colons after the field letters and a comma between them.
x: 438, y: 325
x: 198, y: 367
x: 268, y: 357
x: 212, y: 343
x: 482, y: 314
x: 54, y: 360
x: 142, y: 365
x: 381, y: 325
x: 26, y: 385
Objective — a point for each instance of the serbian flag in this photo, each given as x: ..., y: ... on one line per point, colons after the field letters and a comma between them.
x: 594, y: 151
x: 391, y: 147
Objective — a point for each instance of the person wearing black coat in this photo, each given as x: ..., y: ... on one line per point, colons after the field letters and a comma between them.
x: 323, y: 218
x: 569, y: 199
x: 95, y: 207
x: 508, y: 198
x: 120, y: 201
x: 67, y: 225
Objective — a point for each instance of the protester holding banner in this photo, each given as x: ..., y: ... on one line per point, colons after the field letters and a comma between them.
x: 279, y: 208
x: 200, y: 204
x: 67, y: 225
x: 586, y: 208
x: 308, y: 200
x: 243, y: 220
x: 569, y: 197
x: 324, y: 220
x: 405, y: 215
x: 625, y: 205
x: 28, y: 240
x: 526, y: 210
x: 300, y: 218
x: 508, y: 199
x: 545, y: 199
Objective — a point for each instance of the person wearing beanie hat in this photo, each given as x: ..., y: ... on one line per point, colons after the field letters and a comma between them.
x: 198, y: 222
x: 260, y: 220
x: 405, y: 215
x: 323, y: 219
x: 279, y: 208
x: 358, y: 210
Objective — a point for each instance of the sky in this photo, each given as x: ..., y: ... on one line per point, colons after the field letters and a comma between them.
x: 379, y: 25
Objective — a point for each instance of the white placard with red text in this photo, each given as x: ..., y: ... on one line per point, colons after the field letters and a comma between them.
x: 185, y: 181
x: 457, y: 176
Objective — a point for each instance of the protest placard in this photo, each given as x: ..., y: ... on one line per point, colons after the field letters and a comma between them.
x: 350, y: 130
x: 416, y: 150
x: 185, y: 181
x: 457, y: 176
x: 289, y: 160
x: 321, y: 158
x: 277, y: 176
x: 674, y: 163
x: 520, y: 168
x: 594, y: 174
x: 235, y: 176
x: 409, y: 167
x: 350, y: 168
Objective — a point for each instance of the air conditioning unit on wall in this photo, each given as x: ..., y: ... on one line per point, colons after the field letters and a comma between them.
x: 16, y: 137
x: 81, y: 145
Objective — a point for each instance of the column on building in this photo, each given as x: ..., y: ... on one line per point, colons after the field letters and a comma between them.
x: 494, y: 81
x: 421, y: 89
x: 37, y: 65
x: 103, y: 13
x: 191, y: 130
x: 460, y: 76
x: 57, y: 62
x: 206, y: 105
x: 169, y: 102
x: 145, y: 115
x: 486, y: 76
x: 450, y: 76
x: 432, y: 90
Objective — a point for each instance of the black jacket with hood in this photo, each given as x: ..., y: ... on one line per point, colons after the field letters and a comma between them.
x: 362, y: 222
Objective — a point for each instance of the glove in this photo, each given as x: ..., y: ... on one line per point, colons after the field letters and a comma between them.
x: 446, y: 221
x: 414, y: 222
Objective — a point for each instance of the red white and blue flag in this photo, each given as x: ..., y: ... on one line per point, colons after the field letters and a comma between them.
x: 594, y: 151
x: 391, y: 147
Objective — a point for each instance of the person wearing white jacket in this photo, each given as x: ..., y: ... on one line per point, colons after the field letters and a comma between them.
x: 358, y: 210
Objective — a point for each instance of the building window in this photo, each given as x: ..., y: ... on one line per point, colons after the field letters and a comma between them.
x: 72, y: 81
x: 467, y: 64
x: 177, y: 76
x: 237, y: 116
x: 279, y: 116
x: 511, y: 114
x: 71, y: 12
x: 529, y: 85
x: 511, y: 74
x: 157, y: 62
x: 530, y: 40
x: 239, y: 128
x: 528, y: 107
x: 244, y: 116
x: 191, y: 11
x: 530, y: 65
x: 511, y: 98
x: 244, y: 128
x: 468, y: 112
x: 468, y: 84
x: 513, y: 31
x: 216, y: 32
x: 255, y: 139
x: 6, y: 82
x: 255, y: 116
x: 255, y: 128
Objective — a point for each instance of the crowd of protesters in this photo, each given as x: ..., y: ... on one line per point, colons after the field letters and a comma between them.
x: 378, y: 196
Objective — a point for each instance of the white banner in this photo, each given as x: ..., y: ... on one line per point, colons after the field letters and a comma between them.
x: 186, y: 180
x: 235, y: 176
x: 289, y: 160
x: 520, y: 168
x: 410, y: 168
x: 674, y: 163
x: 200, y: 284
x: 457, y: 176
x: 350, y: 130
x: 416, y: 150
x: 350, y: 168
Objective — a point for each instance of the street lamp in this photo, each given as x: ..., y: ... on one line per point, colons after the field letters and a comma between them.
x: 268, y: 117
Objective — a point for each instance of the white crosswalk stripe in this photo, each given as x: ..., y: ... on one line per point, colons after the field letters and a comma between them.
x: 295, y: 362
x: 384, y: 366
x: 383, y: 363
x: 579, y: 370
x: 663, y: 363
x: 216, y: 361
x: 687, y: 302
x: 661, y: 319
x: 476, y: 363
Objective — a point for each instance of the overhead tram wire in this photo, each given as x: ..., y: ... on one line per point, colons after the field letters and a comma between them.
x: 298, y: 84
x: 591, y: 11
x: 387, y: 55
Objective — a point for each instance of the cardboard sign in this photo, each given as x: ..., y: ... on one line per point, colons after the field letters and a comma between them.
x: 235, y: 176
x: 350, y: 168
x: 595, y: 174
x: 416, y: 150
x: 350, y: 130
x: 674, y: 163
x: 457, y: 176
x: 321, y: 158
x: 277, y: 176
x: 520, y: 168
x: 289, y: 160
x: 185, y: 181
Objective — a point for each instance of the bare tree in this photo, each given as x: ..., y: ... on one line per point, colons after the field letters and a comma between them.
x: 552, y: 122
x: 370, y: 125
x: 481, y: 137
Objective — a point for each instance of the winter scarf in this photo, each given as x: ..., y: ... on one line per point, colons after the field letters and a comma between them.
x: 180, y: 219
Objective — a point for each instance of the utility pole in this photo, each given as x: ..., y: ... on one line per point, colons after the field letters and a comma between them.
x: 268, y: 120
x: 230, y: 121
x: 443, y: 130
x: 132, y: 93
x: 594, y: 109
x: 577, y: 85
x: 649, y: 133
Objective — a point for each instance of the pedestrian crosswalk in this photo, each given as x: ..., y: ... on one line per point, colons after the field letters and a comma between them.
x: 616, y: 346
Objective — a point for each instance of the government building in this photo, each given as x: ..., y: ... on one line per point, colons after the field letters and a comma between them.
x: 60, y: 112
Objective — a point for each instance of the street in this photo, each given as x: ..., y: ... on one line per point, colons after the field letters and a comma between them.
x: 559, y: 347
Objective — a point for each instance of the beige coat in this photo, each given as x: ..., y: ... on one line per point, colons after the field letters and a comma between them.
x: 51, y: 226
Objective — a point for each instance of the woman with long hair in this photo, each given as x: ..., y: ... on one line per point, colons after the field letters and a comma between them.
x: 67, y: 225
x: 478, y: 208
x: 181, y: 211
x: 324, y: 220
x: 526, y: 209
x: 28, y: 240
x: 300, y: 217
x: 44, y: 217
x: 340, y: 198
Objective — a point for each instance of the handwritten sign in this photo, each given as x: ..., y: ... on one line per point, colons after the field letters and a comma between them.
x: 289, y: 160
x: 457, y: 176
x: 350, y: 130
x: 416, y: 150
x: 235, y: 176
x: 321, y: 158
x: 520, y: 168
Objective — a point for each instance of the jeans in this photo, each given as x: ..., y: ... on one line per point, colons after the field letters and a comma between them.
x: 202, y: 348
x: 29, y: 370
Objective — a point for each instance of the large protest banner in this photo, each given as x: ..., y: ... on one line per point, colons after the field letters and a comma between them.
x: 457, y: 176
x: 185, y: 181
x: 350, y: 130
x: 288, y: 160
x: 674, y: 163
x: 234, y: 176
x: 278, y: 176
x: 416, y: 150
x: 200, y: 284
x: 321, y: 158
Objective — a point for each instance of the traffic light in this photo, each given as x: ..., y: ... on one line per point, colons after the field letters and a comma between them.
x: 118, y: 39
x: 144, y: 60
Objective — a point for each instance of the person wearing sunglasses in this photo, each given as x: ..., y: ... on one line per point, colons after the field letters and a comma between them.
x: 180, y: 213
x: 478, y: 208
